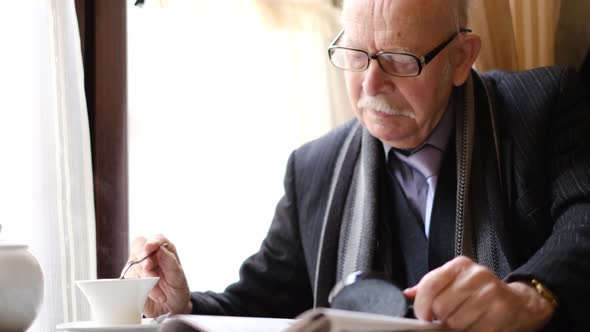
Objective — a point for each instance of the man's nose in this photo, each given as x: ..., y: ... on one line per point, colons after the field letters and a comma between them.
x: 376, y: 81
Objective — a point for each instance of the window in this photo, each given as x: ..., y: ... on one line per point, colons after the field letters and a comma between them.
x: 219, y: 95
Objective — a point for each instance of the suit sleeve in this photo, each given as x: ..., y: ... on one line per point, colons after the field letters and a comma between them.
x: 563, y: 261
x: 274, y: 281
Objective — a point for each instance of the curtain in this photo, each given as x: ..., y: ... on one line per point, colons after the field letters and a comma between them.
x: 516, y: 34
x: 46, y: 195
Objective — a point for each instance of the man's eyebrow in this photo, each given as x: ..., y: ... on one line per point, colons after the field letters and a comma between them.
x: 347, y: 42
x: 401, y: 50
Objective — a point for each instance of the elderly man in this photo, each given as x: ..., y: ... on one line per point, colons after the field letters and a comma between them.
x: 471, y: 191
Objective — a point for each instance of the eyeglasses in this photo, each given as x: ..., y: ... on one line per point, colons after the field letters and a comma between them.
x: 393, y: 63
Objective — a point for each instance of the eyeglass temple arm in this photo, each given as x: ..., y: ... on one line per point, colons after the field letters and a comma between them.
x: 426, y: 58
x: 337, y: 37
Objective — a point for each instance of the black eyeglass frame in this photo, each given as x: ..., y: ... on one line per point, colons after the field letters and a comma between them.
x: 421, y: 61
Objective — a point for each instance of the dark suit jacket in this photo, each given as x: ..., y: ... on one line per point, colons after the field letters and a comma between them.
x: 544, y: 135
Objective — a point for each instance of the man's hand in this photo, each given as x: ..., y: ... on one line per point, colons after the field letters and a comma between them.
x: 466, y: 296
x: 171, y: 293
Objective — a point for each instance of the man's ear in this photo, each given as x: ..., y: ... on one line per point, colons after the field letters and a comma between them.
x: 464, y: 56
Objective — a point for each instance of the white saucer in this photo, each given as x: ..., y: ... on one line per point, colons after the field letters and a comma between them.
x: 147, y: 325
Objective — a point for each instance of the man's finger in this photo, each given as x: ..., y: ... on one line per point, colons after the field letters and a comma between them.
x: 435, y: 282
x: 137, y: 247
x: 153, y: 243
x: 467, y: 315
x: 157, y: 294
x: 171, y: 268
x: 155, y: 271
x: 468, y: 282
x: 410, y: 293
x: 149, y: 264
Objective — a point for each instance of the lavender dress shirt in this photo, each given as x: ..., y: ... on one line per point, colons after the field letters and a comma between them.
x: 417, y: 170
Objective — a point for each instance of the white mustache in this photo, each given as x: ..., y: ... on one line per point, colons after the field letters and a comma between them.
x: 380, y: 104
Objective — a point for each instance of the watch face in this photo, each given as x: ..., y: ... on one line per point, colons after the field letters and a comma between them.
x: 365, y: 293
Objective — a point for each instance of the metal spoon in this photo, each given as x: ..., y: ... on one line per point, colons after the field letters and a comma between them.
x: 132, y: 262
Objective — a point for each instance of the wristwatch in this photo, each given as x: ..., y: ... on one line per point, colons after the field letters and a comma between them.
x: 545, y: 292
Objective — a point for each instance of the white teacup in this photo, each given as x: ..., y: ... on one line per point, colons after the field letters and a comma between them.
x: 117, y: 301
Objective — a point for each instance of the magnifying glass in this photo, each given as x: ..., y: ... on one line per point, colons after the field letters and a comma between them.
x: 369, y: 292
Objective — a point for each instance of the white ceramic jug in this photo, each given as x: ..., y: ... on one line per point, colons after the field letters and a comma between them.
x: 21, y: 287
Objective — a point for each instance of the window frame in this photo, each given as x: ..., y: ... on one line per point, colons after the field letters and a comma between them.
x: 103, y: 38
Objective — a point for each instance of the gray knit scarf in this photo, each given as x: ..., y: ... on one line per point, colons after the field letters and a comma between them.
x: 479, y: 216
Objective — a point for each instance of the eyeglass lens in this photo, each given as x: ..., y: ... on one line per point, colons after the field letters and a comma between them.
x: 392, y: 63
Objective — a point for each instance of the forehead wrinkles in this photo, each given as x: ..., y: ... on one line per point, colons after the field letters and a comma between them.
x: 359, y: 36
x: 381, y: 25
x: 404, y: 25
